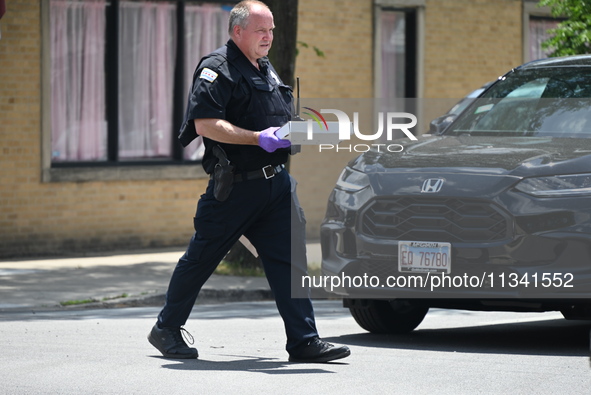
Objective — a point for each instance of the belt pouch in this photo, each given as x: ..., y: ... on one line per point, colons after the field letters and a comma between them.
x: 223, y: 176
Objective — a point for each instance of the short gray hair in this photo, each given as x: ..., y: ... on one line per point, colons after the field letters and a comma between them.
x: 240, y: 13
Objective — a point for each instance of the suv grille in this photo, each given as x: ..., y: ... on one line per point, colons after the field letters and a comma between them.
x: 434, y: 219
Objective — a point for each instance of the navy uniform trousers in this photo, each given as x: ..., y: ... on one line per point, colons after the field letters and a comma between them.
x: 266, y: 211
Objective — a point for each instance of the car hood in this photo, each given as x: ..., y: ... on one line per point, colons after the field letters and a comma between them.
x: 515, y: 156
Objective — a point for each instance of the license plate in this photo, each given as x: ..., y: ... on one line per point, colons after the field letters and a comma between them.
x: 424, y: 256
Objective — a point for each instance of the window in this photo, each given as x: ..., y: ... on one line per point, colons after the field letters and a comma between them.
x: 79, y: 127
x: 398, y: 52
x: 549, y: 101
x: 145, y: 70
x: 399, y: 46
x: 120, y: 72
x: 536, y: 23
x: 538, y: 33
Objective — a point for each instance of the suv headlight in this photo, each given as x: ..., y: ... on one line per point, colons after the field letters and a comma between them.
x: 352, y: 180
x: 557, y: 186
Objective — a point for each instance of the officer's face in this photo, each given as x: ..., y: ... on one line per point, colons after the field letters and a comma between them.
x: 255, y: 39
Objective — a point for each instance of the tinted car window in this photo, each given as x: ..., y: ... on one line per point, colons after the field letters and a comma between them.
x: 536, y: 102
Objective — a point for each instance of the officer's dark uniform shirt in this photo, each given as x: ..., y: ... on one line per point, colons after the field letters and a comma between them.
x: 227, y: 86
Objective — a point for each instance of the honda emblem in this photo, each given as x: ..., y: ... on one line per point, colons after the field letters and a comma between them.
x: 432, y: 185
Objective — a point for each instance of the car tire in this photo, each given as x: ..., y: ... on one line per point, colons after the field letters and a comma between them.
x: 386, y: 316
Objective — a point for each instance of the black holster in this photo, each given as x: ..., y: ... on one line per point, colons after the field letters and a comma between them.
x: 223, y: 175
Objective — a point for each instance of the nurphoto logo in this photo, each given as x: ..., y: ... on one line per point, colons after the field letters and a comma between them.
x: 388, y: 123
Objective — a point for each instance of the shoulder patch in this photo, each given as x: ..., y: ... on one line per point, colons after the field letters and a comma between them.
x: 208, y: 75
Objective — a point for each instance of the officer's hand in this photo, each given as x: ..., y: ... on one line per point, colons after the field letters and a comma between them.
x: 269, y: 142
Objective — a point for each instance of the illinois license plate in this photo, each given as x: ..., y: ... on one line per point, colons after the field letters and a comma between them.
x: 424, y: 256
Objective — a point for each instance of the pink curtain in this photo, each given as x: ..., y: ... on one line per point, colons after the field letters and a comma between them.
x: 78, y: 124
x: 393, y: 54
x: 147, y: 42
x: 538, y: 33
x: 206, y: 29
x: 393, y: 59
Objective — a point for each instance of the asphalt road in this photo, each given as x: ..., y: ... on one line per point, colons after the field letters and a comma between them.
x: 241, y: 346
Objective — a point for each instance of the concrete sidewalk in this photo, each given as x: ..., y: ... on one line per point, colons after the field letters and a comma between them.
x: 117, y: 280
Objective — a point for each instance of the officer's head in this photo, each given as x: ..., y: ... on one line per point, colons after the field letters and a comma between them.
x: 251, y: 28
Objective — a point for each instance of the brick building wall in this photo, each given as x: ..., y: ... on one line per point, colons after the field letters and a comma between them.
x: 466, y: 43
x: 61, y: 217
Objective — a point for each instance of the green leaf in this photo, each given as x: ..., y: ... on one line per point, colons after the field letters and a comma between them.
x: 573, y: 35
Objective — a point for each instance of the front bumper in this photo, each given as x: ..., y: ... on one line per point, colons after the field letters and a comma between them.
x: 550, y: 266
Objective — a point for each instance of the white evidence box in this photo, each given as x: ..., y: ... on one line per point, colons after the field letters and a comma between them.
x: 310, y: 132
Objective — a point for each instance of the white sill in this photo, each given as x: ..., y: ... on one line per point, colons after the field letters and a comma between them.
x: 124, y: 173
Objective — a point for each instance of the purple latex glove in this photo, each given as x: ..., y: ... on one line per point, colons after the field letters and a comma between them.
x: 269, y: 142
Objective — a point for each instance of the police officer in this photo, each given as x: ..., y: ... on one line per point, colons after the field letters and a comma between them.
x: 236, y: 104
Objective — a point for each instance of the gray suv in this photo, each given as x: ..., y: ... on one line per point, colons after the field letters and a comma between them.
x: 492, y: 212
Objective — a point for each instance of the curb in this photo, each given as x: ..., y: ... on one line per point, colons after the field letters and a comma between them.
x: 207, y: 296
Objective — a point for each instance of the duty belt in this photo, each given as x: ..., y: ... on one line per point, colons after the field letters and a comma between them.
x: 266, y: 172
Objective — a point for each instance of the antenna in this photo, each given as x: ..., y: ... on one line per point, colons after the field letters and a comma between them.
x: 297, y: 114
x: 298, y: 93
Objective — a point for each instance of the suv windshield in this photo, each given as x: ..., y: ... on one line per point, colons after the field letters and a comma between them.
x: 552, y: 102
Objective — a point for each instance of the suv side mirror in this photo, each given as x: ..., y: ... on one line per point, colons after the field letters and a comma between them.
x: 438, y: 125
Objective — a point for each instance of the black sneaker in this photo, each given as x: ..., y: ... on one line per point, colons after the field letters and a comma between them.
x: 170, y: 342
x: 317, y: 350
